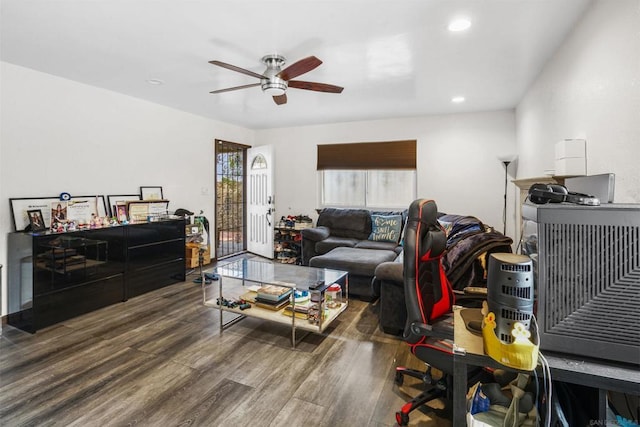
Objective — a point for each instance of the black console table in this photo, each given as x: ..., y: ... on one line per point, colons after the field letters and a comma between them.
x: 601, y: 375
x: 56, y: 276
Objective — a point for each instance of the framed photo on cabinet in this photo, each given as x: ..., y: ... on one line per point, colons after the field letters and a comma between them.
x: 151, y: 193
x: 78, y: 208
x: 36, y: 220
x: 120, y: 199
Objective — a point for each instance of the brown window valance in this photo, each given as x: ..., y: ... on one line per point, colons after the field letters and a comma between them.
x: 368, y: 155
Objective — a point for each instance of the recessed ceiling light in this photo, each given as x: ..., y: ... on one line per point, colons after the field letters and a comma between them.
x: 155, y: 82
x: 457, y: 99
x: 459, y: 25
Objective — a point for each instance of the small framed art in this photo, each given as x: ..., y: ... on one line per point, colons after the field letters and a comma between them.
x: 120, y: 212
x: 151, y: 193
x: 120, y: 199
x: 36, y: 220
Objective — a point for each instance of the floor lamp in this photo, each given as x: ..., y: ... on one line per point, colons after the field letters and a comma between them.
x: 506, y: 161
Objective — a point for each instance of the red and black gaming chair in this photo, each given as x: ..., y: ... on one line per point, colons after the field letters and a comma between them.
x: 429, y: 300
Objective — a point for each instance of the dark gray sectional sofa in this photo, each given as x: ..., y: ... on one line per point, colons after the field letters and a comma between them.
x: 342, y: 240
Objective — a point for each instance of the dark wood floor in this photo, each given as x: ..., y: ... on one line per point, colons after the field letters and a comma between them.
x: 160, y: 360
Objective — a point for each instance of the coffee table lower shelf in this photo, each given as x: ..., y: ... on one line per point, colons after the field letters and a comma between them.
x: 246, y: 276
x: 278, y: 316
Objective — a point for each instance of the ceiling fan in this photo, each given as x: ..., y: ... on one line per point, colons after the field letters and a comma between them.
x: 275, y: 80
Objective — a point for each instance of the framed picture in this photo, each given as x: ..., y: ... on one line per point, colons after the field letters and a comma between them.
x: 151, y: 193
x: 82, y: 208
x: 138, y: 211
x: 120, y: 212
x: 142, y: 210
x: 77, y: 208
x: 21, y: 206
x: 36, y: 220
x: 158, y: 207
x: 115, y: 200
x: 59, y: 211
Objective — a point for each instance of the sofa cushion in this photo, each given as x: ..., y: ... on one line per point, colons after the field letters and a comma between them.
x: 315, y: 233
x: 386, y: 228
x: 332, y: 242
x: 370, y: 244
x: 354, y: 260
x: 353, y: 223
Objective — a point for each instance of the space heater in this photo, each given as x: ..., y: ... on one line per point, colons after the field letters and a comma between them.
x: 587, y: 265
x: 510, y: 292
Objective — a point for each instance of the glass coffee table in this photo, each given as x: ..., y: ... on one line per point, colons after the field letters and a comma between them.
x: 302, y: 301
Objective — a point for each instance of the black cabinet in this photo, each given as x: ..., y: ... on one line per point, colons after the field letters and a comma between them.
x: 54, y: 277
x: 155, y: 256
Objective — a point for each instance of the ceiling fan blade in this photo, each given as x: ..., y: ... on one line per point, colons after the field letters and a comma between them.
x: 229, y: 89
x: 298, y: 68
x: 280, y: 99
x: 238, y: 69
x: 318, y: 87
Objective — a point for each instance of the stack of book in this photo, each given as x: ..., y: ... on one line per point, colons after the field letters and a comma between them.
x: 301, y: 310
x: 273, y: 297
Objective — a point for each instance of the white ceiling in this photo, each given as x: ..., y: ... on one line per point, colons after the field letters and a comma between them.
x: 394, y: 58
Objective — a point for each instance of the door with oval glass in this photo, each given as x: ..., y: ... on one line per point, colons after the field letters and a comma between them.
x: 260, y: 201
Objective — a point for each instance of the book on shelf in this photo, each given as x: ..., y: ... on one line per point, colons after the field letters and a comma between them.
x: 273, y: 293
x: 301, y: 309
x: 299, y: 315
x: 303, y: 306
x: 285, y: 298
x: 272, y: 306
x: 249, y: 296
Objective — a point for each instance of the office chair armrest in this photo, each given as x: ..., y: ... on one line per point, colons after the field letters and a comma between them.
x: 441, y: 330
x: 421, y: 328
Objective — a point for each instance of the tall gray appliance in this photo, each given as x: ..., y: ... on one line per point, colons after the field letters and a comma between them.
x: 587, y: 260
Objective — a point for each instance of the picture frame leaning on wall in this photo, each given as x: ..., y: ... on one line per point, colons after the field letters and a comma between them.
x: 36, y: 220
x: 120, y: 199
x: 151, y: 193
x: 21, y: 205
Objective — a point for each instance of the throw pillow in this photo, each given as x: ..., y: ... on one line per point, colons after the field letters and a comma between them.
x: 385, y: 228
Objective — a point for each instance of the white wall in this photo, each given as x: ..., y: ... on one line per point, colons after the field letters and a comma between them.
x: 590, y: 89
x: 457, y: 160
x: 59, y: 135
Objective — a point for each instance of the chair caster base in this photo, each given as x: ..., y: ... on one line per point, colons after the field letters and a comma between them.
x: 402, y: 419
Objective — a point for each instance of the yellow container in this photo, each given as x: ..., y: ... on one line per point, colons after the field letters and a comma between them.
x: 520, y: 354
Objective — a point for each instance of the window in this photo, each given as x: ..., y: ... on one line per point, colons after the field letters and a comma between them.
x: 259, y: 162
x: 343, y: 188
x: 368, y: 188
x: 369, y: 174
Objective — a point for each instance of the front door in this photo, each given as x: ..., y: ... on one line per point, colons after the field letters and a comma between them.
x: 260, y: 201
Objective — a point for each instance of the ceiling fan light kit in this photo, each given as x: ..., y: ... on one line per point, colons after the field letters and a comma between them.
x: 272, y: 84
x: 275, y: 81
